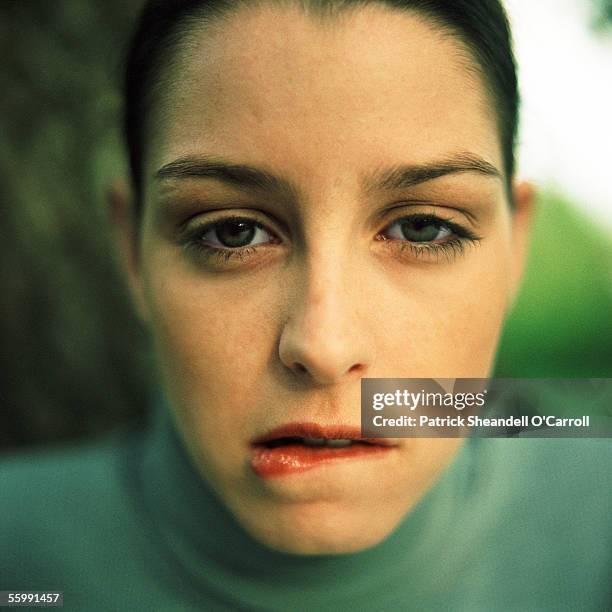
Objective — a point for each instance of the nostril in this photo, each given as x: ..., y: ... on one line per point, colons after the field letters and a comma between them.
x: 300, y: 368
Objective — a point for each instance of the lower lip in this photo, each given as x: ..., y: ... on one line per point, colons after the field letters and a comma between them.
x: 292, y: 459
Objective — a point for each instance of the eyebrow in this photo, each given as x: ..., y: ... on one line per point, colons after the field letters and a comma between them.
x: 238, y: 175
x: 404, y: 176
x: 393, y: 178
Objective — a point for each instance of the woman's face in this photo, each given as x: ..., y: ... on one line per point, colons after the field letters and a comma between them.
x: 359, y: 162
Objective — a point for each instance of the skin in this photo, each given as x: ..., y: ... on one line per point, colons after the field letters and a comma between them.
x: 285, y: 333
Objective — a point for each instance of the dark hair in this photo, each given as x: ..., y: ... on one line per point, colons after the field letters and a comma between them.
x: 480, y: 24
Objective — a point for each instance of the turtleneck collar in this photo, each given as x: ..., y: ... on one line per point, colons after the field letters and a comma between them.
x: 218, y: 559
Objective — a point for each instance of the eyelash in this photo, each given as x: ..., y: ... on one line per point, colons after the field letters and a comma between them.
x: 449, y: 249
x: 193, y: 241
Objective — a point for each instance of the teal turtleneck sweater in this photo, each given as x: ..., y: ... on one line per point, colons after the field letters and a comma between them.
x: 126, y: 523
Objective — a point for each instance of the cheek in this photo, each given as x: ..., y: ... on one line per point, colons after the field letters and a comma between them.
x: 213, y: 339
x: 446, y: 321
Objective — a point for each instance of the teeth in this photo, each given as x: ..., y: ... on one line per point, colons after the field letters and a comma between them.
x: 339, y: 443
x: 325, y: 442
x: 314, y: 441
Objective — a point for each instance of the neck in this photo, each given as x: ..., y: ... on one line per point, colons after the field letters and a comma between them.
x: 212, y: 553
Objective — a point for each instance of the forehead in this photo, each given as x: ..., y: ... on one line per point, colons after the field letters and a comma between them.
x: 313, y: 96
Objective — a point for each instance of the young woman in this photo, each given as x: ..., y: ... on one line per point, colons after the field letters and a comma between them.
x: 321, y: 191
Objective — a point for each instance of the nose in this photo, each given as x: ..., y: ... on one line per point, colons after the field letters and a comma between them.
x: 326, y: 337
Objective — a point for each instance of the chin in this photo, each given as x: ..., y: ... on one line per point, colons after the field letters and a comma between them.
x: 331, y: 546
x: 319, y: 530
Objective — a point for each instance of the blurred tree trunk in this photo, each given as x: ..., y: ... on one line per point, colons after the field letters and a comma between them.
x: 75, y: 361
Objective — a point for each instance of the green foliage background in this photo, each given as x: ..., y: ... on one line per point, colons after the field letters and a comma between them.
x: 74, y: 357
x: 75, y: 361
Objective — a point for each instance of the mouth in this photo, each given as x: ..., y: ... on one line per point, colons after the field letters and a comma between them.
x: 298, y: 447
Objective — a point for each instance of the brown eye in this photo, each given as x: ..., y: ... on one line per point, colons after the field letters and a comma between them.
x: 419, y: 228
x: 235, y: 234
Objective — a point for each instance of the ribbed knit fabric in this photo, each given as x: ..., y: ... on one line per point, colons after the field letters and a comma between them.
x: 126, y: 523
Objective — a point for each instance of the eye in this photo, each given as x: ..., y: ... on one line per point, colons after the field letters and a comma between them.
x: 228, y: 242
x: 420, y: 229
x: 234, y: 234
x: 427, y: 237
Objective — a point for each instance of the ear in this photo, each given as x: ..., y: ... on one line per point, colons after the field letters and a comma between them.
x: 524, y: 197
x: 124, y: 224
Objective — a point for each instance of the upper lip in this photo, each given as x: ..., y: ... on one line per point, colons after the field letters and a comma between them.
x: 316, y: 430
